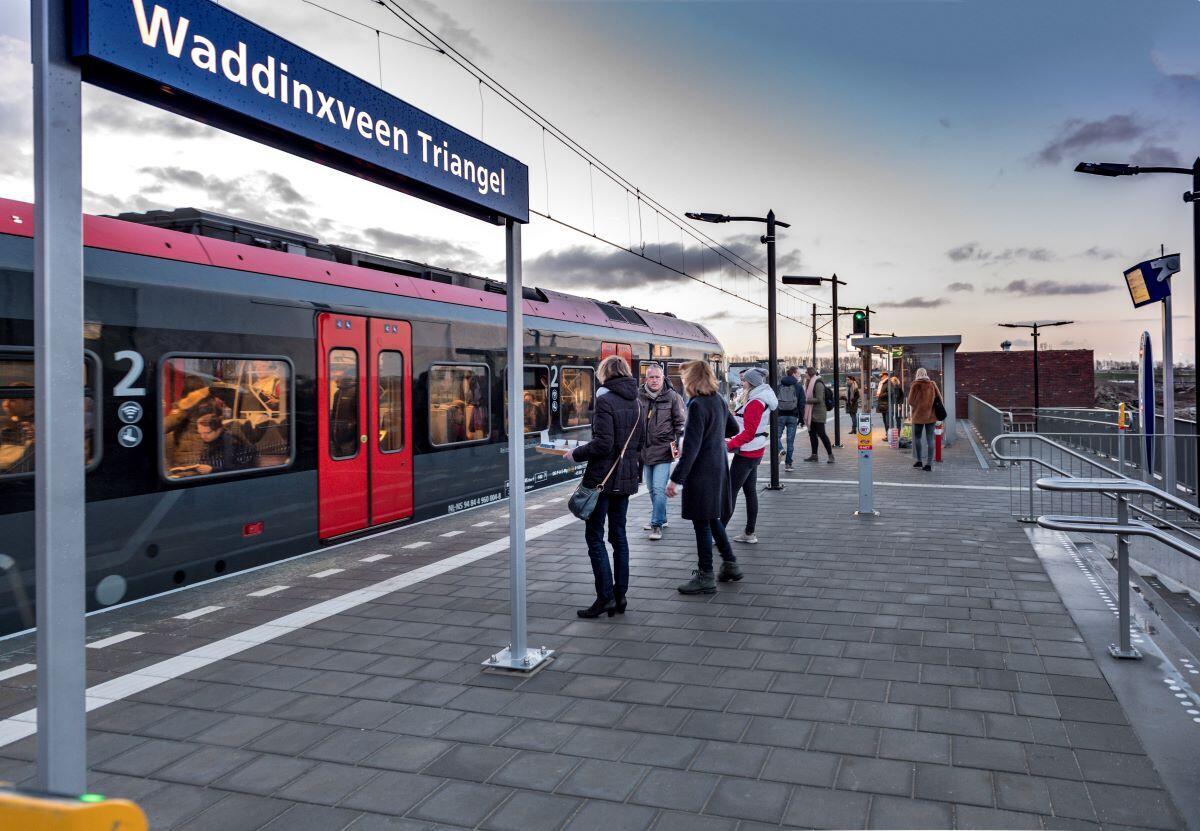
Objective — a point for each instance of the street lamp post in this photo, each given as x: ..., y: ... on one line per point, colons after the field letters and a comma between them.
x: 835, y: 310
x: 1034, y: 326
x: 1193, y: 196
x: 772, y: 351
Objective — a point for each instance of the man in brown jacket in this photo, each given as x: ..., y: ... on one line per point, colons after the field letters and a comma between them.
x: 921, y: 396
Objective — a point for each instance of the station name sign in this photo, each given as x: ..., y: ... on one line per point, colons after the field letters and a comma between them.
x: 205, y: 62
x: 1149, y: 281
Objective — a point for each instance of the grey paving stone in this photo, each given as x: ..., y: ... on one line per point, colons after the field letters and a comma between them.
x: 148, y: 757
x: 537, y: 735
x: 875, y: 776
x: 171, y: 805
x: 991, y: 754
x: 672, y: 821
x: 599, y: 779
x: 539, y: 771
x: 391, y: 793
x: 801, y: 767
x: 778, y: 731
x: 895, y: 812
x: 821, y: 808
x: 606, y: 816
x: 915, y: 746
x: 950, y: 784
x: 597, y: 743
x: 348, y: 745
x: 326, y: 783
x: 205, y: 765
x: 532, y: 812
x: 675, y: 789
x: 717, y: 726
x: 237, y: 811
x: 749, y: 799
x: 408, y: 753
x: 1022, y: 793
x: 1132, y: 806
x: 986, y: 819
x: 470, y: 762
x: 461, y: 803
x: 838, y: 738
x: 312, y: 818
x: 732, y: 759
x: 663, y: 751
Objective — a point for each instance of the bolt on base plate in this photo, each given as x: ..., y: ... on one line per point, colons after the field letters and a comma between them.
x: 866, y: 513
x: 1117, y: 652
x: 531, y: 661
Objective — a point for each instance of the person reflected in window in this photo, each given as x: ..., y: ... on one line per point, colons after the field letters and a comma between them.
x: 343, y: 418
x: 17, y: 433
x: 223, y: 450
x: 182, y: 443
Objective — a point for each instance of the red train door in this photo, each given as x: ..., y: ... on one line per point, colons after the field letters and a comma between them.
x: 390, y: 408
x: 364, y: 448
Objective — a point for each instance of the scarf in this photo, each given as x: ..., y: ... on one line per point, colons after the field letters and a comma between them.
x: 808, y: 393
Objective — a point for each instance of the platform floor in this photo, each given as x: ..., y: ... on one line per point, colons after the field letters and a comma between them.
x: 913, y: 670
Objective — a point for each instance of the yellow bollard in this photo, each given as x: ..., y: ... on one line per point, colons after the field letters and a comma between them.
x: 37, y: 811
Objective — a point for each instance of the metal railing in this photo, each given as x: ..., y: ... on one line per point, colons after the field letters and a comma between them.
x: 1121, y: 491
x: 987, y: 420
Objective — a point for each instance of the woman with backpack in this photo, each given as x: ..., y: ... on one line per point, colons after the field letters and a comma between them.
x: 925, y: 398
x: 753, y: 413
x: 789, y: 393
x: 819, y: 401
x: 703, y: 471
x: 613, y: 467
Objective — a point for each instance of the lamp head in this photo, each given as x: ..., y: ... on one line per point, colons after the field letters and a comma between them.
x: 795, y: 280
x: 1106, y: 169
x: 706, y: 217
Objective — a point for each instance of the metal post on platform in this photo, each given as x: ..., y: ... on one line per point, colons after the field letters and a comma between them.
x: 58, y: 404
x: 837, y: 395
x: 1169, y: 478
x: 1123, y: 648
x: 865, y: 431
x: 518, y: 657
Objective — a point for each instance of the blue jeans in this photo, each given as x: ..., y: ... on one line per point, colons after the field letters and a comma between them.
x: 788, y: 425
x: 613, y: 508
x: 706, y: 531
x: 656, y: 481
x: 927, y: 429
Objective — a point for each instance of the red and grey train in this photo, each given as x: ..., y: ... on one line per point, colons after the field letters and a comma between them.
x: 251, y: 394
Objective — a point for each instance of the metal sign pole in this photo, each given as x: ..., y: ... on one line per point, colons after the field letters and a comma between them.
x: 1168, y: 443
x: 58, y: 404
x: 865, y: 437
x: 518, y: 656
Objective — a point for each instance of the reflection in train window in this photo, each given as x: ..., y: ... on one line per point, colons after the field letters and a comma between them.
x: 225, y: 415
x: 18, y: 426
x: 458, y: 403
x: 576, y: 395
x: 343, y: 403
x: 390, y: 389
x: 536, y: 396
x: 675, y: 377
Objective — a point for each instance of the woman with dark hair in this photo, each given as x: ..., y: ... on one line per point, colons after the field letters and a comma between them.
x: 703, y: 471
x: 612, y: 466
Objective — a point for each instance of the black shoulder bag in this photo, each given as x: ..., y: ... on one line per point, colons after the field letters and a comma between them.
x: 583, y: 501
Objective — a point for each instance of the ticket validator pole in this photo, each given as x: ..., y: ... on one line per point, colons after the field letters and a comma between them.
x: 865, y: 437
x: 58, y: 404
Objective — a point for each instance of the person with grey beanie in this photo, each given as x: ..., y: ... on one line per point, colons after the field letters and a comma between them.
x: 753, y: 412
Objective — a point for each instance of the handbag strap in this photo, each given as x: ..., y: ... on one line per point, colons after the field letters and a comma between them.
x: 637, y: 422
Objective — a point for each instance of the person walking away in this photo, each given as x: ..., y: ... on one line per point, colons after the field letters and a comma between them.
x: 752, y: 413
x: 789, y: 394
x: 853, y: 401
x: 818, y: 398
x: 921, y: 396
x: 703, y: 473
x: 895, y: 394
x: 612, y: 465
x: 881, y: 403
x: 664, y: 416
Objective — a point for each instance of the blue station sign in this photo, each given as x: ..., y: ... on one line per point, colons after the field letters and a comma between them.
x: 1150, y: 281
x: 204, y: 62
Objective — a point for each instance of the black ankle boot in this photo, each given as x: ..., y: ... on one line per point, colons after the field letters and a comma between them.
x: 619, y: 603
x: 598, y: 608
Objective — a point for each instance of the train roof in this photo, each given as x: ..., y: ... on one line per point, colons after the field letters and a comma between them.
x: 206, y: 238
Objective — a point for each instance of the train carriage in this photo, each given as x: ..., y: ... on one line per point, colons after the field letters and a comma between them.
x: 251, y: 394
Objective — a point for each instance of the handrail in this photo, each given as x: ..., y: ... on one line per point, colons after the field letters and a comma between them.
x: 1030, y: 436
x: 1098, y: 525
x: 1121, y: 485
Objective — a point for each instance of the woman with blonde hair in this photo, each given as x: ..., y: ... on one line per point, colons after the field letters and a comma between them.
x: 922, y: 397
x: 612, y: 466
x: 703, y: 471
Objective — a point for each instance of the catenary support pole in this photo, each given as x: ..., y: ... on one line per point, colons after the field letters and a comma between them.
x: 814, y: 338
x: 1168, y: 433
x: 1037, y: 389
x: 772, y: 351
x: 1196, y: 301
x: 58, y: 405
x: 518, y: 656
x: 837, y: 396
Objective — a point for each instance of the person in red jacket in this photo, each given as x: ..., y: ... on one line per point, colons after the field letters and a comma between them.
x: 753, y: 414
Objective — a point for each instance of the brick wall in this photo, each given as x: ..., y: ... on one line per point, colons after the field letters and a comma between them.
x: 1005, y: 379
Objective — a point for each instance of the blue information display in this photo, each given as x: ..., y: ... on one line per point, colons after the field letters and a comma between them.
x: 1149, y: 281
x: 202, y: 61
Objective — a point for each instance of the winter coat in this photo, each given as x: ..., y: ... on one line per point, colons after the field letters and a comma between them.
x: 853, y: 399
x: 703, y: 468
x: 890, y: 397
x: 615, y: 416
x: 663, y: 414
x: 753, y: 416
x: 798, y: 387
x: 920, y: 398
x: 814, y: 402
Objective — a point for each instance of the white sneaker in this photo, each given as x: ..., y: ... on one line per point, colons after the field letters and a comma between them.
x: 648, y: 526
x: 748, y: 538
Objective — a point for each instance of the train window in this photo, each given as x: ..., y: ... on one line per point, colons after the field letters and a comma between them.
x: 458, y: 403
x: 225, y: 415
x: 537, y: 399
x: 18, y: 426
x: 390, y: 389
x: 343, y: 403
x: 675, y: 376
x: 576, y: 396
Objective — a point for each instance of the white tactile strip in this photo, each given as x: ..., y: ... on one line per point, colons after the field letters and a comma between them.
x: 113, y: 640
x: 24, y: 724
x: 1175, y: 683
x: 195, y: 613
x: 268, y: 591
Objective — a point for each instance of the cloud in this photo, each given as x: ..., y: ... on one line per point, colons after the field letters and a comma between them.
x: 960, y: 287
x: 580, y: 265
x: 750, y: 247
x: 1043, y: 288
x: 426, y: 249
x: 913, y: 303
x: 726, y: 316
x: 1077, y: 135
x: 974, y: 252
x: 945, y: 122
x: 1151, y: 155
x: 453, y: 32
x: 1098, y: 253
x: 118, y: 115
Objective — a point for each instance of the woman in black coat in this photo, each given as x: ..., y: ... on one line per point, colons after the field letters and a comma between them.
x: 613, y: 466
x: 703, y: 471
